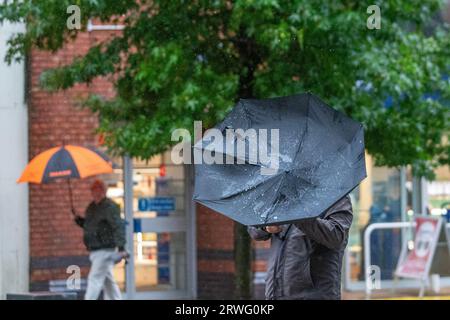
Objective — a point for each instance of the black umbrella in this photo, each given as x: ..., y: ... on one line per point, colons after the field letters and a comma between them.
x: 320, y: 159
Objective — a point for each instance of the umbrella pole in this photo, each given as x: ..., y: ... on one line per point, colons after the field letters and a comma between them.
x: 72, y: 209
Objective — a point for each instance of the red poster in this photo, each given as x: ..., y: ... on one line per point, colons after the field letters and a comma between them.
x: 418, y: 261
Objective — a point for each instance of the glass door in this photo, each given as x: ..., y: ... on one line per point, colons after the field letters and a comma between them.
x: 160, y: 230
x: 160, y: 227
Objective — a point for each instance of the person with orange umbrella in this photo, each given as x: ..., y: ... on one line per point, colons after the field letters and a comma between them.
x: 104, y: 237
x: 104, y: 234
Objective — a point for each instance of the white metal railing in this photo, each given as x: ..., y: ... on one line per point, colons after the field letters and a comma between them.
x: 367, y: 253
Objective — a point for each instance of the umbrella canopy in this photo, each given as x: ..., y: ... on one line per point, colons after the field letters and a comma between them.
x: 68, y: 162
x: 319, y: 156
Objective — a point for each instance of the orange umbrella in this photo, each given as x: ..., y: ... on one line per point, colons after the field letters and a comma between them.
x: 66, y: 162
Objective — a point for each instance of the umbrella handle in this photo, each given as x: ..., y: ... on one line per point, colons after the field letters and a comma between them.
x: 72, y: 209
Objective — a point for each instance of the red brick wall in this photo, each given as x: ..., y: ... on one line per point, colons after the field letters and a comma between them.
x: 215, y: 254
x: 214, y: 231
x: 215, y: 264
x: 55, y: 241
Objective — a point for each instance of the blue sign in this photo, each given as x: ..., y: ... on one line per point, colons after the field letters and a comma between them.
x: 163, y: 259
x: 137, y: 225
x: 160, y: 204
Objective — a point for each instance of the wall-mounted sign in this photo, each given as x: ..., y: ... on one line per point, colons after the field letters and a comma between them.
x: 160, y: 204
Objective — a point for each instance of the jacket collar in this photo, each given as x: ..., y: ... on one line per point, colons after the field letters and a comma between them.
x: 282, y: 234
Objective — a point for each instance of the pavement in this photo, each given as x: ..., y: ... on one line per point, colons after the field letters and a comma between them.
x: 399, y: 294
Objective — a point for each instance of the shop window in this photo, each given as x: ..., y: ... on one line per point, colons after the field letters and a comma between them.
x: 377, y: 199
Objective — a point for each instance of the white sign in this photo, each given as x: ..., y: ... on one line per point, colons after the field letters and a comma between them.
x: 418, y: 262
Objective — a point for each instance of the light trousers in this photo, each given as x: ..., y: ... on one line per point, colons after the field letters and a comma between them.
x: 101, y: 276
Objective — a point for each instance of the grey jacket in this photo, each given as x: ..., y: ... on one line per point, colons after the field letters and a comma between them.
x: 306, y: 256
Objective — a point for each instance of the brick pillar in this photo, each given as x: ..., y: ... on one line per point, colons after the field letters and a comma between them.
x: 215, y: 265
x: 215, y: 254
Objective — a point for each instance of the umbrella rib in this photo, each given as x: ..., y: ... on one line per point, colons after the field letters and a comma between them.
x: 247, y: 117
x: 277, y: 198
x: 300, y: 146
x: 224, y: 153
x: 237, y: 192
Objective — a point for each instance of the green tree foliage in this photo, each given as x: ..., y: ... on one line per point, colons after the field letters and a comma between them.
x: 179, y: 61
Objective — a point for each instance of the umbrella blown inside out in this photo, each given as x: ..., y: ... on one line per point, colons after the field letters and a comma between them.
x: 318, y: 155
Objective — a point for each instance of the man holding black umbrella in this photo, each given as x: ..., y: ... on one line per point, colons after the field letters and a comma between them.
x: 303, y: 205
x: 104, y: 237
x: 306, y: 256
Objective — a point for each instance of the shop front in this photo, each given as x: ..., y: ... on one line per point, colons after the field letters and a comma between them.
x: 155, y: 198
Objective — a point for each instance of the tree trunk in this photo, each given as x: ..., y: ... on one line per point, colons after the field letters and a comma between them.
x: 242, y: 242
x: 243, y: 262
x: 243, y: 256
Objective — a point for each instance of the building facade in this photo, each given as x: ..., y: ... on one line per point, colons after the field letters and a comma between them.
x: 184, y: 252
x: 179, y: 249
x: 14, y: 244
